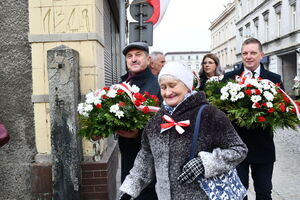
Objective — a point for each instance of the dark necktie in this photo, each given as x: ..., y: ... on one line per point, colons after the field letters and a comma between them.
x: 253, y: 74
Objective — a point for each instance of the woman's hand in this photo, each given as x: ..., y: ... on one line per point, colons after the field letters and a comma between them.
x: 191, y: 170
x: 128, y: 134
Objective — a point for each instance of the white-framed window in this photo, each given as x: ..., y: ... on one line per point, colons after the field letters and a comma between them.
x: 255, y: 23
x: 278, y: 28
x: 266, y: 25
x: 294, y: 18
x: 247, y: 34
x: 277, y: 9
x: 266, y: 30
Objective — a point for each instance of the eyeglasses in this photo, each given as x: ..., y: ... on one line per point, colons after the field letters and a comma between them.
x: 209, y: 62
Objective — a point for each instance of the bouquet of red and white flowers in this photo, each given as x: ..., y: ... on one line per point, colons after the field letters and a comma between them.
x: 119, y: 107
x: 254, y: 103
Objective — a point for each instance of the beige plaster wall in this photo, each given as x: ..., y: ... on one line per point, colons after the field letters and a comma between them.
x: 50, y: 17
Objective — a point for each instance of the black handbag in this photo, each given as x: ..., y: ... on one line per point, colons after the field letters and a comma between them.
x: 4, y: 136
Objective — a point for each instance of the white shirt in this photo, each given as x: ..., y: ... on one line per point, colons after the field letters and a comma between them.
x: 248, y: 73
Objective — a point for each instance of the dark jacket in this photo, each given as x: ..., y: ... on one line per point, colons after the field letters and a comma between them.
x: 163, y: 154
x: 261, y: 148
x: 203, y: 79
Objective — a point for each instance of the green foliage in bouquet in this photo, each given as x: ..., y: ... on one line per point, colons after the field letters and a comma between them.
x: 110, y: 109
x: 253, y: 103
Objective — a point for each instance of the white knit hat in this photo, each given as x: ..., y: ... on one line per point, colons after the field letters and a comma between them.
x: 179, y: 71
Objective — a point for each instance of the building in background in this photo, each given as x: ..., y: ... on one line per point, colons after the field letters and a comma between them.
x: 191, y: 59
x: 28, y: 30
x: 223, y: 37
x: 276, y: 24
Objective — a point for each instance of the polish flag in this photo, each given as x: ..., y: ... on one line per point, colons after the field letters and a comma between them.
x: 159, y: 9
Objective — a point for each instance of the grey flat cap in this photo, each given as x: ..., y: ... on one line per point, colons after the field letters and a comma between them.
x: 136, y: 45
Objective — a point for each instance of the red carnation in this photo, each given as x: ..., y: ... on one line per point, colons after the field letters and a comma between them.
x: 257, y: 105
x: 147, y: 93
x: 106, y: 88
x: 261, y: 119
x: 139, y: 97
x: 137, y: 102
x: 104, y: 97
x: 287, y: 100
x: 119, y: 91
x: 282, y: 107
x: 122, y: 104
x: 257, y: 92
x: 270, y: 110
x: 264, y: 104
x: 99, y: 105
x: 249, y: 85
x: 293, y: 110
x: 248, y: 92
x: 146, y: 110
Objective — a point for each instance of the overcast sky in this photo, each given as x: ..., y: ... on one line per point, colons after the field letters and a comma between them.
x: 185, y: 25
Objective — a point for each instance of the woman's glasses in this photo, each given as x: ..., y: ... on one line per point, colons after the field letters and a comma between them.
x: 209, y: 62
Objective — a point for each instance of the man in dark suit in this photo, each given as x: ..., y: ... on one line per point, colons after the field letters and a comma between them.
x: 261, y: 148
x: 139, y: 74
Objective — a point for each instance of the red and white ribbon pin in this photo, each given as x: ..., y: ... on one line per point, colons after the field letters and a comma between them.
x: 178, y: 125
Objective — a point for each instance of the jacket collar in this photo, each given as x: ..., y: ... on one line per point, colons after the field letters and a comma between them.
x: 141, y: 76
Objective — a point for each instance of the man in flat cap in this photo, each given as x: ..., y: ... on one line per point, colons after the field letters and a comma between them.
x: 139, y: 74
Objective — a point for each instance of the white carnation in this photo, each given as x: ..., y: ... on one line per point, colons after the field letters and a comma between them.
x: 234, y: 98
x: 112, y: 93
x: 114, y: 108
x: 268, y: 95
x: 273, y: 90
x: 224, y: 89
x: 255, y: 98
x: 88, y: 108
x: 119, y: 114
x: 90, y: 97
x: 241, y: 95
x: 267, y: 87
x: 135, y: 89
x: 97, y: 101
x: 224, y: 96
x: 269, y: 104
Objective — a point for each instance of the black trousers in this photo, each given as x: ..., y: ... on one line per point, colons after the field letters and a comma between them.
x: 129, y: 149
x: 262, y: 178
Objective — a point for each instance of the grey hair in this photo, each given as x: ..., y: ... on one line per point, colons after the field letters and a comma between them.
x: 154, y: 54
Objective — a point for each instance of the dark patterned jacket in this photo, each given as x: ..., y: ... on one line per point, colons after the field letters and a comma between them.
x: 261, y: 148
x: 163, y: 154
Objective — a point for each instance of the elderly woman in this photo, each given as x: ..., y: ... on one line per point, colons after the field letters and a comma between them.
x: 165, y: 152
x: 210, y: 68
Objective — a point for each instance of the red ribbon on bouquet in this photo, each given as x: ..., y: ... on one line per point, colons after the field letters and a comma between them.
x: 124, y: 87
x: 178, y: 125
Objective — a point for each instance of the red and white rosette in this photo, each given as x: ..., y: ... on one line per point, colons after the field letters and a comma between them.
x: 171, y: 123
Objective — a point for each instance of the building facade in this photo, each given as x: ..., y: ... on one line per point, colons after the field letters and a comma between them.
x: 28, y: 30
x: 223, y: 37
x: 276, y: 24
x: 191, y: 59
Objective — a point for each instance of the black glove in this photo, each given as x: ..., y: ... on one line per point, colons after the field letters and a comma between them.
x: 125, y: 197
x: 191, y: 170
